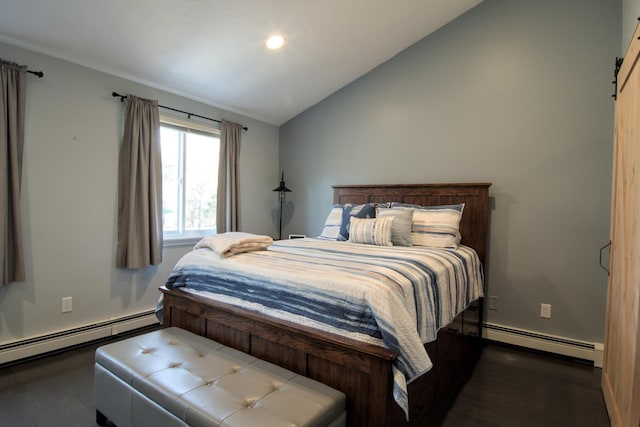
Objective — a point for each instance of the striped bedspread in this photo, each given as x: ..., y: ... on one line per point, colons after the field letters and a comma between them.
x: 396, y: 297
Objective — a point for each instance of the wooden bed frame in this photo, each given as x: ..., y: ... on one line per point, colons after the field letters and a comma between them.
x: 362, y: 371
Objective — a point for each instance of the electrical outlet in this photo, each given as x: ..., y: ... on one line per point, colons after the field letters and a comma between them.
x: 493, y: 303
x: 66, y: 304
x: 545, y: 311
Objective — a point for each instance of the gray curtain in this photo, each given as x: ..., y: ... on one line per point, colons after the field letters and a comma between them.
x: 12, y: 108
x: 227, y: 218
x: 140, y: 187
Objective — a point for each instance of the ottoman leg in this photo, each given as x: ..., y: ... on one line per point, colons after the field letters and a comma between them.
x: 101, y: 420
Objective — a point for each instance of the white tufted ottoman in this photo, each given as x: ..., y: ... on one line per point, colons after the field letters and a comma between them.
x: 172, y: 377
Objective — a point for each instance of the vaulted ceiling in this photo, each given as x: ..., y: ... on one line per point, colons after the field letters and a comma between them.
x: 214, y: 51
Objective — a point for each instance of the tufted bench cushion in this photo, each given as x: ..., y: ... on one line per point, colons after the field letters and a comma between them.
x: 174, y: 377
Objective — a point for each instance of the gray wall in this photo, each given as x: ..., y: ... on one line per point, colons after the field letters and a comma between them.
x: 630, y: 16
x: 517, y: 93
x: 74, y: 130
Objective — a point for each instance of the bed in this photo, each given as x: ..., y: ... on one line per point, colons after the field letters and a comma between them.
x: 365, y: 371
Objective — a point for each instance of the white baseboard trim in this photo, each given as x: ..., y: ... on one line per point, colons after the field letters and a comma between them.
x: 544, y: 342
x: 46, y: 343
x: 598, y: 355
x: 35, y: 346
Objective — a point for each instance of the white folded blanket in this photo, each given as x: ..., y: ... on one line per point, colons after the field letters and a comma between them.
x: 234, y: 242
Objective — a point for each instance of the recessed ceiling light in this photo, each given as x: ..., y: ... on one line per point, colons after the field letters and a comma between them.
x: 275, y: 42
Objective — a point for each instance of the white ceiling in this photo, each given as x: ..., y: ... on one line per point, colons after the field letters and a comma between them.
x: 213, y: 51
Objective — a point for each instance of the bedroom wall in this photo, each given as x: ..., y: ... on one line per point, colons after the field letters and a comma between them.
x: 73, y: 134
x: 630, y: 16
x: 517, y: 93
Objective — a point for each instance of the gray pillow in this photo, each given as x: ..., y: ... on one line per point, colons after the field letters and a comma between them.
x: 401, y: 226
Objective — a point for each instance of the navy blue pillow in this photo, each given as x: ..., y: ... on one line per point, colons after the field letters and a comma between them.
x: 368, y: 210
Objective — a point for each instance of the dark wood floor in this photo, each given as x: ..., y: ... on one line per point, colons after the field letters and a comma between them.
x: 516, y: 387
x: 509, y: 387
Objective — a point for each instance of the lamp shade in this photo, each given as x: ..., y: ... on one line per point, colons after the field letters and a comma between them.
x: 282, y: 188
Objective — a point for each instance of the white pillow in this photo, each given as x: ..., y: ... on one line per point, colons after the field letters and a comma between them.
x: 332, y: 225
x: 436, y: 226
x: 371, y: 231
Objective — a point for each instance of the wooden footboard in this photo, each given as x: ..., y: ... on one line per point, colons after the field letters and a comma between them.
x: 362, y: 371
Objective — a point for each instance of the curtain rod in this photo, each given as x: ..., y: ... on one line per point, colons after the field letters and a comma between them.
x: 189, y: 115
x: 40, y: 74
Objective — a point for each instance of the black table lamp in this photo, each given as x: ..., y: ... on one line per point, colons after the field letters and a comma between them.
x: 282, y: 189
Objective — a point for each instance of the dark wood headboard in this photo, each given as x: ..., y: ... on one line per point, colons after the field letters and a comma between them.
x: 473, y: 225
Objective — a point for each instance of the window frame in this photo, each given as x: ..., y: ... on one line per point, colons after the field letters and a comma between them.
x: 182, y: 238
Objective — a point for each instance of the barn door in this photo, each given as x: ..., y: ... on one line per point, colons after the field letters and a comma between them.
x: 621, y: 371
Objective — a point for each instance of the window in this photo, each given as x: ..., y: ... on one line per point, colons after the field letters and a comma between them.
x: 189, y: 178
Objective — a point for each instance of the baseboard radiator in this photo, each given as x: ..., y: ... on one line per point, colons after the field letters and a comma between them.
x: 31, y: 347
x: 550, y: 343
x: 39, y: 345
